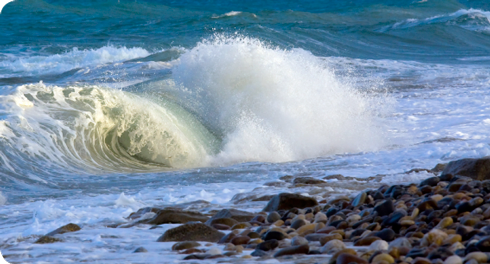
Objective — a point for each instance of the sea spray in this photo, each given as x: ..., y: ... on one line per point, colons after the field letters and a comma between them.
x: 272, y: 104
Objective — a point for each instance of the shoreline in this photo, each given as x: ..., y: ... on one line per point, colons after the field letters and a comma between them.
x: 441, y: 219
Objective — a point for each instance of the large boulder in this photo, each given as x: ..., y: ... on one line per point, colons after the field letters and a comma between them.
x: 191, y: 232
x: 478, y: 169
x: 167, y: 216
x: 285, y: 201
x: 240, y: 216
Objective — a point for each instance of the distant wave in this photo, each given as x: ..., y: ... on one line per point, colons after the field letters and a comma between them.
x: 59, y: 63
x: 471, y: 19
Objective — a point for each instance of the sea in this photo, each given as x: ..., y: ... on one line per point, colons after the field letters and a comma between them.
x: 109, y: 106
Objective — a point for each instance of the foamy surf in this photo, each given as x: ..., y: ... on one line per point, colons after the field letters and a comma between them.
x: 75, y: 58
x: 230, y: 100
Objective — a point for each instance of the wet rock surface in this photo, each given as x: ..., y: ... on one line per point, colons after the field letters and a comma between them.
x: 191, y: 232
x: 442, y: 219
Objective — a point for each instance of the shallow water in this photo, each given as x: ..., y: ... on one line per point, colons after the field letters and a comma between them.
x: 107, y: 107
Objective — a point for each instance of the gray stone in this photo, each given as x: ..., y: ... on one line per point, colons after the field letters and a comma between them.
x: 240, y: 216
x: 285, y: 201
x: 478, y: 169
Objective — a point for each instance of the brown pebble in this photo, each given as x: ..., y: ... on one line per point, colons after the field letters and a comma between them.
x: 346, y: 258
x: 334, y: 257
x: 366, y: 241
x: 185, y: 245
x: 383, y: 257
x: 302, y: 249
x: 326, y: 230
x: 420, y: 260
x: 329, y: 237
x: 221, y: 227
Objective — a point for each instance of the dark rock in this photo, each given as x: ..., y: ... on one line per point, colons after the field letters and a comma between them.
x: 167, y: 216
x: 253, y: 235
x: 284, y: 201
x: 298, y: 223
x: 47, y: 240
x: 227, y: 238
x: 384, y: 208
x: 240, y: 240
x: 273, y: 217
x: 478, y: 169
x: 140, y: 250
x: 377, y: 196
x: 258, y: 253
x: 268, y: 245
x: 446, y: 177
x: 394, y: 217
x: 359, y: 200
x: 417, y: 252
x: 484, y: 244
x: 307, y: 180
x: 432, y: 181
x: 440, y: 253
x: 464, y: 207
x: 240, y: 216
x: 346, y: 258
x: 185, y: 245
x: 366, y: 241
x: 287, y: 178
x: 197, y: 256
x: 192, y: 251
x: 64, y: 229
x: 223, y: 221
x: 339, y: 177
x: 273, y: 235
x: 427, y: 204
x: 386, y: 234
x: 221, y: 227
x: 439, y: 168
x: 357, y: 232
x: 191, y: 232
x: 331, y: 211
x: 302, y: 249
x: 315, y: 236
x: 258, y: 219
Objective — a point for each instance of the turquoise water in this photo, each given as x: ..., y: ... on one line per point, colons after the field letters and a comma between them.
x: 360, y: 29
x: 109, y: 106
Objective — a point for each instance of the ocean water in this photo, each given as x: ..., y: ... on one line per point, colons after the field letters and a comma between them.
x: 110, y: 106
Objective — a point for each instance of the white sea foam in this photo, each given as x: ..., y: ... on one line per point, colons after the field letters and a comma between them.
x: 3, y: 200
x: 72, y: 59
x: 275, y: 105
x: 229, y: 14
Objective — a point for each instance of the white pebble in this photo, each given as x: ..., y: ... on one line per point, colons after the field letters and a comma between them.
x: 332, y: 246
x: 320, y: 217
x: 214, y: 251
x: 454, y: 259
x: 378, y: 245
